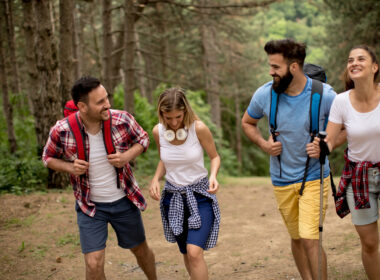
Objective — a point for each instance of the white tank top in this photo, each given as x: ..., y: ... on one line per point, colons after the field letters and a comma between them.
x: 184, y: 163
x: 102, y: 174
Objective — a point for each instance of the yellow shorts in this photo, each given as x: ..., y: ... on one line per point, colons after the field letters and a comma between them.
x: 301, y: 213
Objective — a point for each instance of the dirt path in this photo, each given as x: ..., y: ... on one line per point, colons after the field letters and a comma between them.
x: 39, y: 239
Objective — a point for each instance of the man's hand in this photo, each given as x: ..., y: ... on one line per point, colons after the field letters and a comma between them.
x: 273, y: 148
x: 313, y: 149
x: 79, y: 167
x: 118, y: 159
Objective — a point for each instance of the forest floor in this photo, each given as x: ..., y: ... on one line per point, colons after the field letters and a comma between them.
x: 39, y: 239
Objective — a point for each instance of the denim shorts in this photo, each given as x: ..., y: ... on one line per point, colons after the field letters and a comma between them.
x: 366, y: 216
x: 125, y: 219
x: 198, y: 236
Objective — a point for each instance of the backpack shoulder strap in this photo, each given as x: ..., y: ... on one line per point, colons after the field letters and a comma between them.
x: 274, y: 97
x: 107, y: 135
x: 74, y: 125
x: 315, y: 105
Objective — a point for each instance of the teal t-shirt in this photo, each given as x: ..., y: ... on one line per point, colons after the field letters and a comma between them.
x: 293, y: 125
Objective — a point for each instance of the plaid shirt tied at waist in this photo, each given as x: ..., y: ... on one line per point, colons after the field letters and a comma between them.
x: 174, y: 225
x: 355, y: 173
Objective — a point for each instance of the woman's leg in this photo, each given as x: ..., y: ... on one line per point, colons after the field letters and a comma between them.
x: 369, y: 238
x: 196, y: 262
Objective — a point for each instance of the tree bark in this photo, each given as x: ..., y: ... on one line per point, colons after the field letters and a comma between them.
x: 49, y: 99
x: 7, y: 106
x: 65, y: 49
x: 129, y: 72
x: 75, y: 42
x: 107, y: 48
x: 29, y: 26
x: 8, y: 15
x: 211, y: 67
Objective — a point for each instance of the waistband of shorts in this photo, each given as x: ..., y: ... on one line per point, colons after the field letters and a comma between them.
x: 109, y: 203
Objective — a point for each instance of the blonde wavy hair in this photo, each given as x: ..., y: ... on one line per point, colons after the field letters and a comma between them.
x: 175, y: 99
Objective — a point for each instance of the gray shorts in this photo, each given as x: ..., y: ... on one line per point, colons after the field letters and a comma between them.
x: 368, y: 216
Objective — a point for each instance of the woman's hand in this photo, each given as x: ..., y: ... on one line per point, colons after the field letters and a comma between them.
x: 154, y: 190
x: 213, y: 187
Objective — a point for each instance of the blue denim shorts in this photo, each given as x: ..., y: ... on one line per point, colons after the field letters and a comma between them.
x: 366, y: 216
x: 193, y: 236
x: 125, y: 219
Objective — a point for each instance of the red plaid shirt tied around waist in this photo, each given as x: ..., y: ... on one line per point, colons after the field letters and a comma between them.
x: 125, y: 133
x: 355, y: 173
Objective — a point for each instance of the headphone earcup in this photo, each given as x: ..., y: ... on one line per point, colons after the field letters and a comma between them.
x: 181, y: 134
x: 169, y: 135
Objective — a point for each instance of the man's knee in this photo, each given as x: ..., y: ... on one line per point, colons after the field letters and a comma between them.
x: 141, y: 250
x: 309, y: 244
x: 94, y: 261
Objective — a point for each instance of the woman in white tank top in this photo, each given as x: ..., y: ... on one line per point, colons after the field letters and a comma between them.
x: 189, y: 208
x: 358, y: 111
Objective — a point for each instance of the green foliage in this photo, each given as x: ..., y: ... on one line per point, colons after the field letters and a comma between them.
x: 22, y: 172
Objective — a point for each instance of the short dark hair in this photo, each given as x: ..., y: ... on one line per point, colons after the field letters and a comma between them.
x: 291, y: 50
x: 82, y: 87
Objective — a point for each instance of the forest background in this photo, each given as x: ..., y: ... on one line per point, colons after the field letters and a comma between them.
x: 212, y: 48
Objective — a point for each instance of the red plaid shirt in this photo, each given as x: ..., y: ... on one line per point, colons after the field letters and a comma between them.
x: 125, y: 133
x: 355, y: 173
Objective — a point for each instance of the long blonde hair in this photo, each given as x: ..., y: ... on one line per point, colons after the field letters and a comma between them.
x: 175, y: 99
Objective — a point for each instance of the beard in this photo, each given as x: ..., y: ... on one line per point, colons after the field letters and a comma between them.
x: 282, y: 83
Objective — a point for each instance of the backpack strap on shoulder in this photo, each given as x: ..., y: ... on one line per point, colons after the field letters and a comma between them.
x: 107, y: 135
x: 315, y: 106
x: 74, y: 125
x: 274, y: 98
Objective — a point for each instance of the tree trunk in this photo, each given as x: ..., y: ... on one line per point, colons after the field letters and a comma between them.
x: 65, y: 49
x: 238, y: 127
x: 75, y: 42
x: 140, y: 67
x: 29, y: 33
x: 7, y: 106
x: 49, y: 99
x: 107, y: 48
x: 98, y: 56
x: 129, y: 72
x: 211, y: 68
x: 8, y: 16
x: 117, y: 54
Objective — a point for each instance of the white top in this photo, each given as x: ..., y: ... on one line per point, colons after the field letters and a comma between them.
x: 363, y: 129
x: 184, y: 163
x: 102, y: 174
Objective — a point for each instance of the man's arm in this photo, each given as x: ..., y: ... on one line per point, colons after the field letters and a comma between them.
x: 250, y: 128
x: 77, y: 168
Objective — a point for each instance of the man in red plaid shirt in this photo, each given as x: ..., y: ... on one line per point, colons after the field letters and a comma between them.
x: 103, y: 195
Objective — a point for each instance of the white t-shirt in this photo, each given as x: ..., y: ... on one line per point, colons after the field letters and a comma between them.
x: 102, y: 174
x: 363, y: 129
x: 184, y: 164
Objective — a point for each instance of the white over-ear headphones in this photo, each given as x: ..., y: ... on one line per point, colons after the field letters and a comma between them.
x: 180, y: 134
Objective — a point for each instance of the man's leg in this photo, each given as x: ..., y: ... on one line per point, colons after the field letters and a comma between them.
x: 300, y: 259
x: 311, y: 247
x: 95, y: 265
x: 145, y: 258
x: 309, y: 211
x: 369, y: 238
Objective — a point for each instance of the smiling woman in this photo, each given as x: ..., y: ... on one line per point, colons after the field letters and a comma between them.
x: 182, y: 139
x: 358, y: 111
